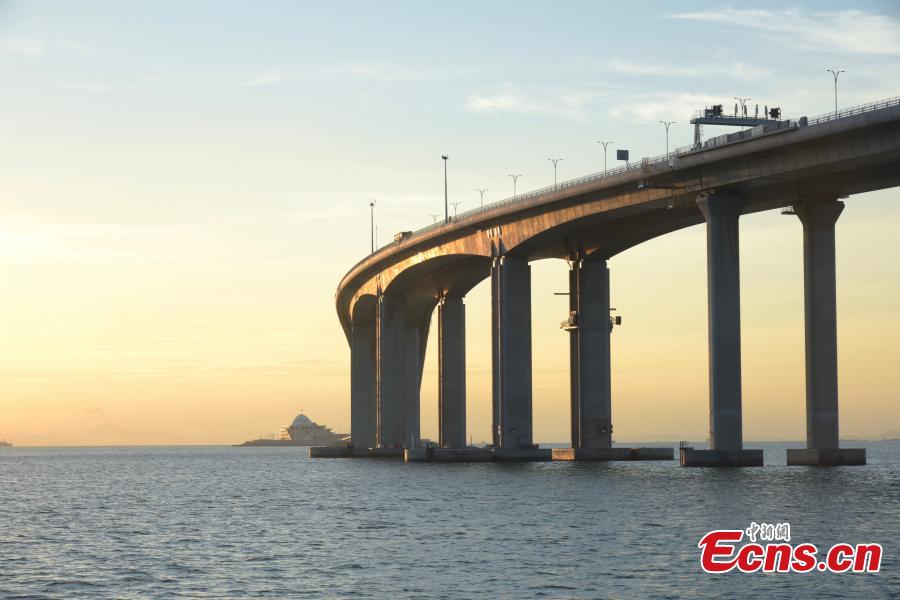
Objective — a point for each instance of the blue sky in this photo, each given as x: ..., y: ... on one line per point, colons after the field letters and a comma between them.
x: 184, y: 183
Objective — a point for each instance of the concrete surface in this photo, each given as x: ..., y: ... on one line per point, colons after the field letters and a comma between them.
x: 826, y: 457
x: 720, y: 458
x: 612, y: 454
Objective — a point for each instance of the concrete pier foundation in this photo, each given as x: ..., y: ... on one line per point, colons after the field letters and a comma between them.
x: 826, y: 457
x: 511, y: 353
x: 688, y: 457
x: 399, y: 344
x: 452, y: 373
x: 820, y: 316
x: 722, y: 211
x: 612, y: 454
x: 590, y: 354
x: 469, y: 454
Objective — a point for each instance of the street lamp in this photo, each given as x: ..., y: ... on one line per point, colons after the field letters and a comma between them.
x: 446, y: 210
x: 835, y: 74
x: 515, y: 178
x: 434, y: 217
x: 743, y: 102
x: 372, y: 224
x: 455, y: 204
x: 481, y: 191
x: 605, y: 144
x: 666, y: 124
x: 555, y: 162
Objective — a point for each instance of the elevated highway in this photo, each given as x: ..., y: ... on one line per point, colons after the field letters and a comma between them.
x: 805, y: 166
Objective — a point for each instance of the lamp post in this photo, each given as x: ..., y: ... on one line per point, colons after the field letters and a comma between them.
x: 605, y: 144
x: 455, y: 204
x: 434, y: 217
x: 743, y: 103
x: 515, y: 178
x: 835, y: 74
x: 372, y: 224
x: 666, y: 124
x: 446, y: 209
x: 555, y: 162
x: 481, y: 192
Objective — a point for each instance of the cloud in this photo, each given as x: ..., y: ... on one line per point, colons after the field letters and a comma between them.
x: 570, y: 104
x: 379, y: 72
x: 21, y: 47
x: 652, y: 107
x: 737, y: 70
x: 269, y: 78
x: 851, y: 31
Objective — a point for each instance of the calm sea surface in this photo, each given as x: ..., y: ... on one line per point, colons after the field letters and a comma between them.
x: 246, y: 522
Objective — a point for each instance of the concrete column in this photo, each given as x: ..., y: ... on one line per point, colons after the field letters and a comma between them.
x: 398, y: 374
x: 362, y: 386
x: 590, y: 354
x: 511, y: 316
x: 724, y: 305
x: 820, y: 303
x: 452, y: 373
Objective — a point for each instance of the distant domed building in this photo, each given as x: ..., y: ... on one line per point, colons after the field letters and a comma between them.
x: 305, y: 432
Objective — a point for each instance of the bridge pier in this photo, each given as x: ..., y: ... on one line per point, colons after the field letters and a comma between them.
x: 362, y: 386
x: 399, y: 344
x: 452, y: 373
x: 722, y: 211
x: 590, y: 354
x: 819, y: 217
x: 511, y: 353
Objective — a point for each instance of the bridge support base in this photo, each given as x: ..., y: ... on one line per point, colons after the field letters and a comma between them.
x: 522, y: 454
x: 337, y: 452
x: 470, y: 454
x: 720, y: 458
x: 612, y: 454
x: 826, y: 457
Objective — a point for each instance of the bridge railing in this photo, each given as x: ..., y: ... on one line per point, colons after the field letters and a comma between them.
x: 646, y: 162
x: 854, y: 110
x: 562, y: 185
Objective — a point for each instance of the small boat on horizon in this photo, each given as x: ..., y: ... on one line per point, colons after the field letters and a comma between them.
x: 5, y: 443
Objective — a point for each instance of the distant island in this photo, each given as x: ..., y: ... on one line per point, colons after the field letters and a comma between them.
x: 303, y: 431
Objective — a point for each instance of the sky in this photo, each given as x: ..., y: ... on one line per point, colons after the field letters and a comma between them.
x: 183, y: 185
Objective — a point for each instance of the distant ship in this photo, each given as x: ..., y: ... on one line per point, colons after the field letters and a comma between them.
x: 5, y: 443
x: 303, y: 431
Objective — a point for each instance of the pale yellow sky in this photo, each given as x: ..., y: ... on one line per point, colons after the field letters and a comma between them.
x: 180, y: 196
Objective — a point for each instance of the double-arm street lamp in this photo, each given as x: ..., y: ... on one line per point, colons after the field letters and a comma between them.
x: 446, y: 209
x: 481, y: 192
x: 835, y: 73
x: 555, y: 162
x: 605, y: 144
x: 515, y: 178
x: 372, y: 224
x: 667, y: 124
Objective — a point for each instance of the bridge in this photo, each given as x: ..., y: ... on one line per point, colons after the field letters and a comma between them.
x: 804, y: 167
